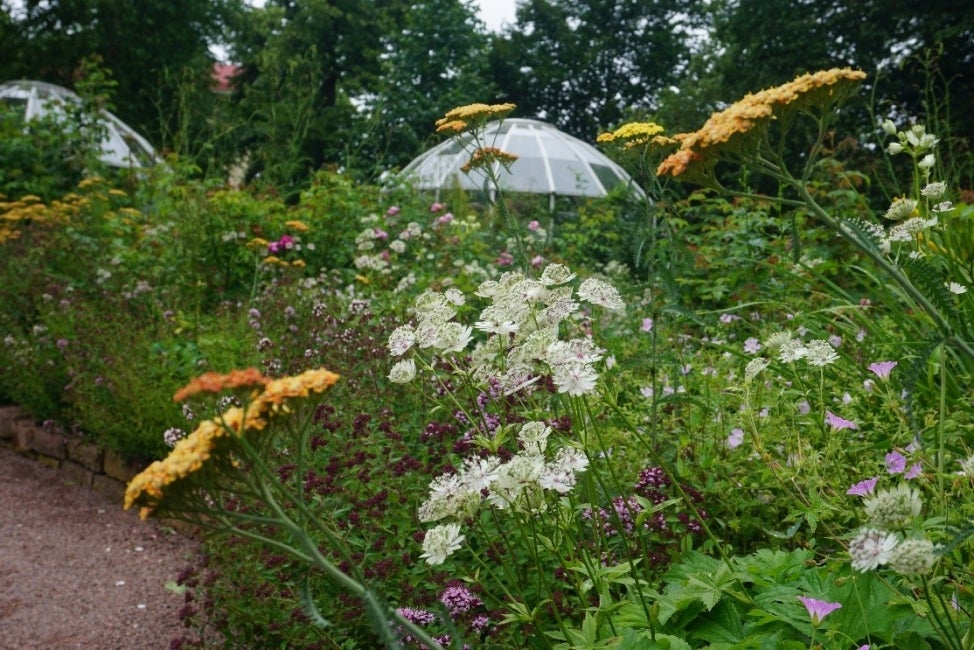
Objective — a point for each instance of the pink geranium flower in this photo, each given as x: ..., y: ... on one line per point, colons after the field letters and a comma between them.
x: 837, y: 423
x: 863, y: 488
x: 818, y: 609
x: 882, y: 368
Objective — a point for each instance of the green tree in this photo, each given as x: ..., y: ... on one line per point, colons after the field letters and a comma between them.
x: 436, y: 60
x: 143, y: 44
x: 303, y: 63
x: 582, y: 64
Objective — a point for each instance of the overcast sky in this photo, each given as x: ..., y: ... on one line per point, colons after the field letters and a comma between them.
x: 496, y: 12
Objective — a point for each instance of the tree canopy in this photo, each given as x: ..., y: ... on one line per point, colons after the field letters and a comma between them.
x: 357, y: 84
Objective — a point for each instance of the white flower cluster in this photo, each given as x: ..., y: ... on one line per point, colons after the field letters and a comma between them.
x: 522, y: 326
x: 875, y: 545
x: 817, y: 352
x: 518, y: 484
x: 914, y: 214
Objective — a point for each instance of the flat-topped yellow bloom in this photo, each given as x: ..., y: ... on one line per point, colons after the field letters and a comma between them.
x: 736, y: 128
x: 461, y: 118
x: 191, y: 453
x: 633, y: 134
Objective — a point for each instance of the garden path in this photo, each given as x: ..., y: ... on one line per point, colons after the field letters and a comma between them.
x: 76, y: 571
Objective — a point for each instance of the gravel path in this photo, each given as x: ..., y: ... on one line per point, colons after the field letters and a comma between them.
x: 76, y: 571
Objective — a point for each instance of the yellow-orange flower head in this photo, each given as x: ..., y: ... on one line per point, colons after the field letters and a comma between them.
x: 734, y: 129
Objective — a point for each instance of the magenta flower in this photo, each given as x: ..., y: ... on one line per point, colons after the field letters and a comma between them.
x: 437, y: 206
x: 895, y: 462
x: 533, y: 226
x: 837, y: 423
x: 882, y: 368
x: 863, y: 488
x: 392, y: 211
x: 818, y: 609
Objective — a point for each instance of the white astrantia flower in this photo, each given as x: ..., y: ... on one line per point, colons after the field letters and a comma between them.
x: 454, y: 496
x: 894, y: 508
x: 397, y: 246
x: 426, y: 334
x: 871, y: 548
x: 955, y: 287
x: 533, y: 436
x: 967, y: 467
x: 574, y: 378
x: 557, y: 311
x: 452, y: 337
x: 754, y: 367
x: 560, y: 474
x: 901, y: 208
x: 441, y: 542
x: 944, y: 206
x: 792, y: 350
x: 403, y: 372
x: 454, y: 296
x: 774, y: 341
x: 934, y: 190
x: 428, y: 301
x: 576, y: 350
x: 529, y: 291
x: 600, y: 293
x: 820, y: 353
x: 555, y: 274
x: 477, y: 474
x: 516, y: 485
x: 913, y: 557
x: 401, y: 339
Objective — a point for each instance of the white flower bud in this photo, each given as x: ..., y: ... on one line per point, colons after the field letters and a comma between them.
x: 889, y: 127
x: 927, y: 162
x: 894, y: 148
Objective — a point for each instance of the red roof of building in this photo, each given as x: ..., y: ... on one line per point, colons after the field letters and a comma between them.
x: 223, y: 74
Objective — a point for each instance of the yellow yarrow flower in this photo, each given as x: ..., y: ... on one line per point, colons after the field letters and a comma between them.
x: 737, y: 128
x: 637, y: 134
x: 191, y: 453
x: 294, y: 224
x: 461, y: 118
x: 485, y: 156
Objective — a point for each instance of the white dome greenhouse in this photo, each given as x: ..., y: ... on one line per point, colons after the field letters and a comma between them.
x: 121, y: 147
x: 549, y: 162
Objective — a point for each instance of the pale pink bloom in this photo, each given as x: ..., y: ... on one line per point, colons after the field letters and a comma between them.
x: 882, y: 368
x: 818, y: 609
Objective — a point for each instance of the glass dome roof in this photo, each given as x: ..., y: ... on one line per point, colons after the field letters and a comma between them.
x: 549, y: 162
x: 122, y: 147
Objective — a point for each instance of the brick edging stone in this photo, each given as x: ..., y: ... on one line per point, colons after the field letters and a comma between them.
x: 77, y: 461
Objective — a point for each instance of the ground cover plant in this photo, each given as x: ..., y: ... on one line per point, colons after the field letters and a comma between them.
x: 411, y: 423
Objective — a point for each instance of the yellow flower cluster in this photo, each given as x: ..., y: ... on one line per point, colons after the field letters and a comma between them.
x: 192, y: 452
x: 485, y: 156
x: 727, y: 129
x: 634, y: 134
x: 461, y: 118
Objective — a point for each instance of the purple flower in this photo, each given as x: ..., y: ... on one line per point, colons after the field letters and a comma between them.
x: 647, y: 325
x: 504, y: 259
x: 436, y: 206
x: 882, y: 368
x: 735, y: 439
x: 752, y: 346
x: 837, y: 423
x: 458, y: 600
x: 392, y: 211
x: 914, y: 471
x: 804, y: 408
x: 895, y: 462
x: 727, y: 319
x: 835, y: 340
x: 818, y: 609
x: 533, y: 225
x: 863, y: 488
